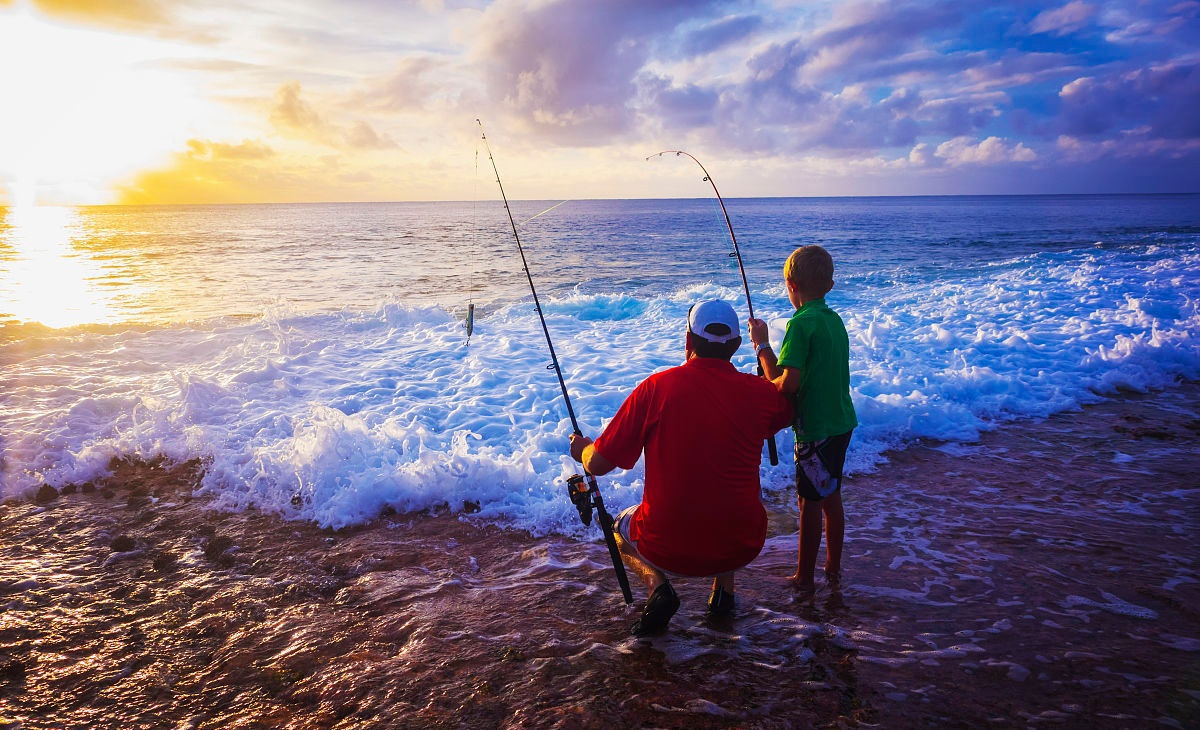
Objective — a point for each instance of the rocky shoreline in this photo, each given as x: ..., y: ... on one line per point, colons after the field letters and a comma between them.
x: 1044, y: 576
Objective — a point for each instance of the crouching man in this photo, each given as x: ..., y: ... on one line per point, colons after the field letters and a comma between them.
x: 702, y: 426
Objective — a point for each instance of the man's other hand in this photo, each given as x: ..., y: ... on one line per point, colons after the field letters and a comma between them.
x: 758, y: 331
x: 578, y: 444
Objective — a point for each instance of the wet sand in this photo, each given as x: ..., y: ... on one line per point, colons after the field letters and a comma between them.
x: 1045, y: 576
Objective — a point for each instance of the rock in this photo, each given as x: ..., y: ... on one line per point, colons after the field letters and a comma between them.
x: 122, y: 544
x: 69, y: 488
x: 137, y: 498
x: 164, y: 561
x: 106, y: 493
x: 216, y: 546
x: 88, y: 488
x: 470, y: 507
x: 12, y: 671
x: 45, y: 493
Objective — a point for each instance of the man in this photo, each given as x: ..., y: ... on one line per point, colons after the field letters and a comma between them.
x: 702, y: 426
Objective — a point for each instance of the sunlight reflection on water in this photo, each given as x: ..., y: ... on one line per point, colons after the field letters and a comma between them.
x: 45, y: 276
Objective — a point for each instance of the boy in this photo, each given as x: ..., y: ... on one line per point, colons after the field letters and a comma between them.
x: 813, y: 368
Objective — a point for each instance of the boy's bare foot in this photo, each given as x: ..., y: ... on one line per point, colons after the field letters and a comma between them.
x: 800, y: 585
x: 833, y: 578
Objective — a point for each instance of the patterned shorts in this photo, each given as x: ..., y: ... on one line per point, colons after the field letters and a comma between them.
x: 819, y: 466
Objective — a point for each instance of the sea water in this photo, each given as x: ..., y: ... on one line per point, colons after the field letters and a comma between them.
x: 314, y: 359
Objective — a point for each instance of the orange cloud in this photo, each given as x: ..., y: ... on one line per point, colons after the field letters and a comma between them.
x: 152, y: 17
x: 209, y: 172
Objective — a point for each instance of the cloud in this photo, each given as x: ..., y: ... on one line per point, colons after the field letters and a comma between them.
x: 567, y: 69
x: 1164, y: 97
x: 1135, y: 144
x: 990, y: 151
x: 208, y: 172
x: 409, y: 87
x: 361, y: 135
x: 866, y: 32
x: 247, y: 150
x: 296, y: 118
x: 1061, y: 21
x: 720, y: 33
x: 152, y: 17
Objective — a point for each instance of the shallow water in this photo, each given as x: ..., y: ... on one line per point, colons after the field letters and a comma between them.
x: 313, y: 358
x: 1046, y: 575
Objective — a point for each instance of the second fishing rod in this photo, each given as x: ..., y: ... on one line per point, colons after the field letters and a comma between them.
x: 583, y: 490
x: 772, y: 449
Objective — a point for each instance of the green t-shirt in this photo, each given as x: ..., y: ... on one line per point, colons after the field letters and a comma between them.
x: 817, y: 345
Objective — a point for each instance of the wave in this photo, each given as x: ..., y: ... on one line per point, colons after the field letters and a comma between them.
x: 331, y: 416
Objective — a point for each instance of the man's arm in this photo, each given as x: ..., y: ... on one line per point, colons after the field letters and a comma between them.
x: 585, y: 453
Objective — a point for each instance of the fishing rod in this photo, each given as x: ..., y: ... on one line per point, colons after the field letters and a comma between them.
x: 772, y: 449
x: 582, y: 489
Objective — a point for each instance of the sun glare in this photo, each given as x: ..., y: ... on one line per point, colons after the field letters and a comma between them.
x: 84, y: 109
x: 44, y: 278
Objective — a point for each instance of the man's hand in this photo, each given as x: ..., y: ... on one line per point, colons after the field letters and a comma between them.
x: 578, y: 444
x: 758, y: 332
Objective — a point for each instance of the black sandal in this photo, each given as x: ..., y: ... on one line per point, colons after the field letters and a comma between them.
x: 660, y: 607
x: 721, y: 604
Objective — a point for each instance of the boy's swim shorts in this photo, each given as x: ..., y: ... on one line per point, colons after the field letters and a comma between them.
x: 819, y: 466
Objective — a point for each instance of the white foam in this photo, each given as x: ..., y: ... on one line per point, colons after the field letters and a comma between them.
x: 348, y: 411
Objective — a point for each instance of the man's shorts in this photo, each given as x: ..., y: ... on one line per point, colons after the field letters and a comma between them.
x: 621, y: 524
x: 819, y: 466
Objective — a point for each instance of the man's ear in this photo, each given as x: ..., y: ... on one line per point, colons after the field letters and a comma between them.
x: 688, y: 346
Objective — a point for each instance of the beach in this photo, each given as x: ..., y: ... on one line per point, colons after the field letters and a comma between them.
x: 1042, y: 576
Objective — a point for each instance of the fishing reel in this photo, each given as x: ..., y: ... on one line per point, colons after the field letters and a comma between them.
x: 581, y: 496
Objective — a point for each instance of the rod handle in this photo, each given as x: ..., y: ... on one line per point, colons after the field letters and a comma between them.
x: 772, y: 449
x: 606, y: 525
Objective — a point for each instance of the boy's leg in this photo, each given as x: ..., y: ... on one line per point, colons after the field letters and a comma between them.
x: 810, y: 542
x: 835, y: 533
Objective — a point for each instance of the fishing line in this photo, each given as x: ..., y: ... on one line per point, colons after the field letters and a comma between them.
x: 772, y: 450
x: 584, y: 497
x: 544, y: 212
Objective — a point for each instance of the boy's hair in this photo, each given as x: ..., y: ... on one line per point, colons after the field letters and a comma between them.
x: 810, y: 268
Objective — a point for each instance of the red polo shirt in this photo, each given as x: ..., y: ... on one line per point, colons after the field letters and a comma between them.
x: 702, y: 425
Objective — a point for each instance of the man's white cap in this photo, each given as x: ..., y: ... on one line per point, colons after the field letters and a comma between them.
x: 713, y: 312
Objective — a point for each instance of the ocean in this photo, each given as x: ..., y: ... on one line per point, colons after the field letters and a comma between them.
x: 313, y: 357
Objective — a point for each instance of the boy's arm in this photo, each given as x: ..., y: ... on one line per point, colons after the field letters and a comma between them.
x: 786, y: 379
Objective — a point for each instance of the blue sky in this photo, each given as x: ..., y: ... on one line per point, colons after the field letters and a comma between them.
x: 374, y: 100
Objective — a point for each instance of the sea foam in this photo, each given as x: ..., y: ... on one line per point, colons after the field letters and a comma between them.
x: 331, y: 416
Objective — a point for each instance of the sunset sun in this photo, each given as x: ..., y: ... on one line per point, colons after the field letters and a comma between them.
x: 88, y: 109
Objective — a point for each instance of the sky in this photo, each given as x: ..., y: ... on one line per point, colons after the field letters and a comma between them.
x: 215, y: 101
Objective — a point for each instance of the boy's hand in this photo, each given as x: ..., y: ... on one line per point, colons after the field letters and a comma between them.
x: 758, y: 331
x: 578, y: 444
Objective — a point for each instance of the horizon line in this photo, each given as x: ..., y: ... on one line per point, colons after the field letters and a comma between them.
x: 7, y: 205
